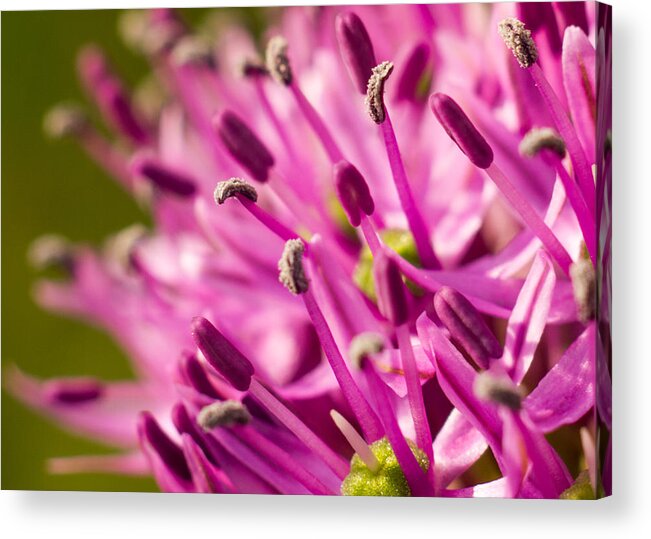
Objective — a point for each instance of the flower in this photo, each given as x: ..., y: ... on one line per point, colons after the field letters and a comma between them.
x: 374, y: 256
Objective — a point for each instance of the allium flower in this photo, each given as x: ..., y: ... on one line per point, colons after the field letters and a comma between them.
x: 380, y: 257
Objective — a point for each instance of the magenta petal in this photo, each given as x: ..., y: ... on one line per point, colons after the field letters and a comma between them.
x: 547, y: 472
x: 579, y: 72
x: 567, y: 392
x: 457, y: 446
x: 529, y: 317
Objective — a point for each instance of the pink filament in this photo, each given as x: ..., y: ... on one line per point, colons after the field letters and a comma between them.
x: 268, y: 220
x: 567, y: 132
x: 338, y: 465
x: 414, y: 217
x: 531, y: 218
x: 365, y: 415
x: 415, y: 392
x: 315, y: 121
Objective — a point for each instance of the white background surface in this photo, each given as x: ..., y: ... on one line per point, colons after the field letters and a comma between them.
x: 626, y: 514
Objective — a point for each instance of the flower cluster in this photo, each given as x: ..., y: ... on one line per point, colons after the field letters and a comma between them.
x: 380, y: 256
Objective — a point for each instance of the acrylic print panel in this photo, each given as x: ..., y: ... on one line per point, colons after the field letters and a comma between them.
x: 372, y: 255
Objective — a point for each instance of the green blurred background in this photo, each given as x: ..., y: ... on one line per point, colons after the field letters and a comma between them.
x: 50, y: 186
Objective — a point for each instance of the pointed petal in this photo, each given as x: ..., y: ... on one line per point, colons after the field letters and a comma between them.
x: 529, y: 317
x: 567, y: 391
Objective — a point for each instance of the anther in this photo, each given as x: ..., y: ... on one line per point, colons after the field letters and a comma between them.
x: 364, y: 345
x: 223, y: 414
x: 73, y: 391
x: 584, y: 285
x: 290, y: 265
x: 497, y: 389
x: 461, y: 130
x: 193, y: 51
x: 391, y: 294
x: 277, y: 61
x: 466, y: 326
x: 222, y: 354
x: 356, y: 49
x: 353, y: 192
x: 519, y: 40
x: 375, y: 91
x: 163, y: 176
x: 244, y: 146
x: 544, y: 138
x: 234, y: 187
x: 121, y: 246
x: 65, y: 121
x: 51, y: 251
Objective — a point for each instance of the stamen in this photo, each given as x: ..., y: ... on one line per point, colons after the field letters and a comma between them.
x: 244, y: 145
x: 364, y: 345
x: 223, y: 414
x: 300, y: 430
x: 221, y: 354
x: 375, y: 91
x: 353, y: 192
x: 290, y: 266
x: 497, y: 389
x: 538, y: 139
x: 392, y: 299
x: 584, y: 285
x: 193, y: 51
x: 356, y: 48
x: 519, y: 40
x: 277, y: 61
x: 461, y: 130
x: 234, y: 187
x: 51, y: 251
x: 73, y: 391
x: 162, y: 176
x: 65, y: 120
x: 356, y: 441
x: 466, y: 326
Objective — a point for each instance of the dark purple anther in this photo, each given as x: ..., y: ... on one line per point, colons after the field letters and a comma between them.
x: 197, y: 376
x: 461, y: 130
x: 356, y: 49
x: 162, y: 176
x: 170, y: 453
x: 221, y: 354
x: 410, y: 72
x: 244, y: 146
x: 73, y: 391
x: 353, y: 192
x: 466, y: 326
x: 390, y: 290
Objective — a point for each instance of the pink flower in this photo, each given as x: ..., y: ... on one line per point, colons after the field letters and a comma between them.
x: 379, y: 242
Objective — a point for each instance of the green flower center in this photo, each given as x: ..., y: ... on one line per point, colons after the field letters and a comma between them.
x: 402, y: 242
x: 387, y: 480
